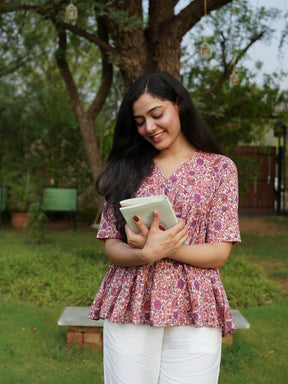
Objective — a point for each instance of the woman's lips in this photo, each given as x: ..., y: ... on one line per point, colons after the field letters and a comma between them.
x: 158, y: 137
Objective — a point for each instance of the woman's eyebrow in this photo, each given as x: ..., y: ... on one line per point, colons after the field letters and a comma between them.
x: 150, y: 110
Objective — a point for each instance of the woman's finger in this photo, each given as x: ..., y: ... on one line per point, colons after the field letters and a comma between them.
x: 155, y: 221
x: 141, y: 226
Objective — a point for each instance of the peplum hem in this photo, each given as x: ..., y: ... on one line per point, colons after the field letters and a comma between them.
x: 165, y: 293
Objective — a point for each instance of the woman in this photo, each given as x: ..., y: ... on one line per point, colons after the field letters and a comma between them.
x: 162, y: 299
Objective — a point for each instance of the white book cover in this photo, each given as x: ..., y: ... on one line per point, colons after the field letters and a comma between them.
x: 143, y: 207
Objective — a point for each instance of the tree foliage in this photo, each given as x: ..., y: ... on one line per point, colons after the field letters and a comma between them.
x: 123, y: 38
x: 237, y: 114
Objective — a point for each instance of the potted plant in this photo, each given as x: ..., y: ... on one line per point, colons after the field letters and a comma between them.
x: 36, y: 224
x: 22, y: 191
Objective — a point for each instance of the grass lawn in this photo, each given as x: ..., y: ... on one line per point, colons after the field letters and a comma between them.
x: 259, y: 355
x: 38, y: 281
x: 33, y: 349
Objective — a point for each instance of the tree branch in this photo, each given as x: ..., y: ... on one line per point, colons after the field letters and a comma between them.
x: 107, y: 73
x: 62, y: 64
x: 228, y: 69
x: 14, y: 66
x: 190, y: 15
x: 88, y: 36
x: 252, y: 41
x: 51, y: 14
x: 223, y: 46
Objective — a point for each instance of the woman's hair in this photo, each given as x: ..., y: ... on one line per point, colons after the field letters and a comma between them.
x: 131, y: 156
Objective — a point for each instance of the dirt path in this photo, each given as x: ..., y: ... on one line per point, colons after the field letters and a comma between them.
x: 264, y: 225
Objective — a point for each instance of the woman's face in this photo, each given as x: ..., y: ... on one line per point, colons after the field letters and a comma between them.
x: 157, y: 121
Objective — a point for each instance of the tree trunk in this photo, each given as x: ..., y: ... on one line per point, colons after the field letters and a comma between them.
x: 90, y: 143
x: 158, y: 47
x: 86, y: 120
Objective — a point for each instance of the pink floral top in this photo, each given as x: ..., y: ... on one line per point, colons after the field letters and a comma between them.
x: 204, y: 193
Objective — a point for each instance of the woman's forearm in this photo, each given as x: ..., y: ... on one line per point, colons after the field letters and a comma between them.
x: 122, y: 254
x: 212, y: 255
x: 199, y: 255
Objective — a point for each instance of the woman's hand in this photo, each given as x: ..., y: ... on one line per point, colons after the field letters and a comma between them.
x: 162, y: 244
x: 148, y: 246
x: 137, y: 240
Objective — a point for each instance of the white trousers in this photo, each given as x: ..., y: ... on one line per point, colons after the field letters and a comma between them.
x: 140, y: 354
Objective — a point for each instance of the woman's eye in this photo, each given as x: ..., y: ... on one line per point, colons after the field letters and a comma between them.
x: 139, y: 123
x: 158, y: 116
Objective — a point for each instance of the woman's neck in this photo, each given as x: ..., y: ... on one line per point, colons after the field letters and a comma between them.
x: 168, y: 163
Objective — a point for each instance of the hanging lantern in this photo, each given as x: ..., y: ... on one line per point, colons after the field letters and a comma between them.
x: 205, y: 51
x: 234, y: 79
x: 205, y: 48
x: 71, y: 13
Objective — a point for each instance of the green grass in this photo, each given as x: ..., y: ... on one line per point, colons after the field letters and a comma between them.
x: 268, y: 248
x: 65, y: 271
x: 38, y: 281
x: 33, y: 349
x: 259, y: 355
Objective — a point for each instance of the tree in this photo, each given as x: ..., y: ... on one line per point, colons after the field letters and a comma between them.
x: 137, y: 43
x: 236, y: 114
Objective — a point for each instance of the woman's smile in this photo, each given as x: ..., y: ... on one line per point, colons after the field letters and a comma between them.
x: 157, y: 137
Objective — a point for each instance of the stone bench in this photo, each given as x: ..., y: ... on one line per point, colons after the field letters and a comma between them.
x: 82, y: 330
x: 241, y: 323
x: 86, y: 332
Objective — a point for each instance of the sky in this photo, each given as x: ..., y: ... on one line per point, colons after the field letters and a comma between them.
x: 268, y: 54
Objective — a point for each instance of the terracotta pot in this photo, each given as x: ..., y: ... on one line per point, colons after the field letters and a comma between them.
x: 18, y: 219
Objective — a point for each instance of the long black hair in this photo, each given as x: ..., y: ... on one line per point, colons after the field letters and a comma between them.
x: 131, y: 156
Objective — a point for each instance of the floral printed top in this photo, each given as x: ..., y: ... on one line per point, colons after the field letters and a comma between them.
x: 204, y: 193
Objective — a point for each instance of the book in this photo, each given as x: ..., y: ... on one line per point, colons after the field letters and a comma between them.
x: 143, y: 207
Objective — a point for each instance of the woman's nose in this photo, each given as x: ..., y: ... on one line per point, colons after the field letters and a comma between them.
x: 150, y: 125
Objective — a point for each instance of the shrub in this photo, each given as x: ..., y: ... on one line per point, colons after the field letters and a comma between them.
x: 246, y: 284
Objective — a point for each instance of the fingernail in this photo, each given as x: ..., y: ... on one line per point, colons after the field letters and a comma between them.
x: 136, y: 218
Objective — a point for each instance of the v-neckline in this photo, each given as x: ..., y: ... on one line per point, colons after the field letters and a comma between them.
x: 168, y: 177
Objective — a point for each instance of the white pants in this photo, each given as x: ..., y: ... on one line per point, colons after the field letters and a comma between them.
x: 140, y: 354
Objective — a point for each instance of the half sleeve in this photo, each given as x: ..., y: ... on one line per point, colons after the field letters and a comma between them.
x: 108, y: 225
x: 223, y: 220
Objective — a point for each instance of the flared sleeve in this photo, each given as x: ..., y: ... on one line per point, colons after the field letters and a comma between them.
x: 223, y: 222
x: 108, y: 225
